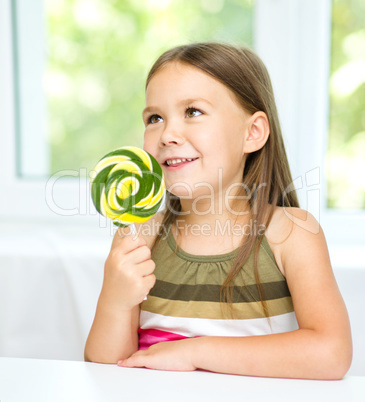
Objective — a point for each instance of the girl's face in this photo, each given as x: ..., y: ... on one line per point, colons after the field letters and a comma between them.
x: 196, y: 130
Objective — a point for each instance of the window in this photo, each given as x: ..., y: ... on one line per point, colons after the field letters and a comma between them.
x: 97, y: 57
x: 93, y: 93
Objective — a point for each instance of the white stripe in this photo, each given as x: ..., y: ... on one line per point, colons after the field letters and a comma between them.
x: 209, y: 327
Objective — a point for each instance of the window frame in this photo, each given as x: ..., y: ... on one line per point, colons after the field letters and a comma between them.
x: 33, y: 197
x: 297, y: 55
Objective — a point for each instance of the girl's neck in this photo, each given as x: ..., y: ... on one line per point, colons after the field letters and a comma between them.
x: 208, y: 212
x: 200, y: 229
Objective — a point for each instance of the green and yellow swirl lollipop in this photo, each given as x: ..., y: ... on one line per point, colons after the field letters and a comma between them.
x: 127, y: 186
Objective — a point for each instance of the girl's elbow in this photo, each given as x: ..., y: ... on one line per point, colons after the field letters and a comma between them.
x: 87, y: 358
x: 342, y: 367
x: 338, y: 371
x: 338, y: 360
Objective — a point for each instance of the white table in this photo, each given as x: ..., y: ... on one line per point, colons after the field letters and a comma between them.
x: 32, y: 380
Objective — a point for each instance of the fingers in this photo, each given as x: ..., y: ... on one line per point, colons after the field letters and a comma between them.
x: 141, y: 260
x: 138, y: 359
x: 128, y: 243
x: 128, y: 272
x: 150, y: 281
x: 140, y: 254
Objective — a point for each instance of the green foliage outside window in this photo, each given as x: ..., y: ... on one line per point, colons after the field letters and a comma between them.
x: 346, y: 155
x: 99, y: 53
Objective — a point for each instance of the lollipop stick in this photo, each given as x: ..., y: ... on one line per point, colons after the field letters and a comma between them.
x: 133, y: 229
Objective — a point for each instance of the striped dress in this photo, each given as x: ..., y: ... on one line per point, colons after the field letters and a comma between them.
x: 185, y: 301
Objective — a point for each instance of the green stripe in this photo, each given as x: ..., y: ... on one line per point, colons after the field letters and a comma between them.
x: 211, y: 293
x: 216, y: 311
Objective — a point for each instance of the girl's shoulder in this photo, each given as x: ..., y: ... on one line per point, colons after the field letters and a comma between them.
x: 286, y: 220
x: 289, y: 229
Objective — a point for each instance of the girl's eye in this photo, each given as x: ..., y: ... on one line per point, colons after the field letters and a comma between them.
x: 192, y: 112
x: 155, y: 118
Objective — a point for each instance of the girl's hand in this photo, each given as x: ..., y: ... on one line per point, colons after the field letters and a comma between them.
x: 128, y: 273
x: 171, y: 355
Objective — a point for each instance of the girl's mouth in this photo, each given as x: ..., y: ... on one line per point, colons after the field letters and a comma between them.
x: 178, y: 161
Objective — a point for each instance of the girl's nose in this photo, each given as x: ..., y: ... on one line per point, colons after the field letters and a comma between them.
x: 171, y: 136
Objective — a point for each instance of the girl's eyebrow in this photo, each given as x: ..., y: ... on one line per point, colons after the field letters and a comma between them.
x: 188, y: 101
x: 147, y: 110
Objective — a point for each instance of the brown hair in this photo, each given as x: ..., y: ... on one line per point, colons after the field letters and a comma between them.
x: 267, y: 169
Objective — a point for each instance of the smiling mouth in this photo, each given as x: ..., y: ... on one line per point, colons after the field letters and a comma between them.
x: 178, y: 161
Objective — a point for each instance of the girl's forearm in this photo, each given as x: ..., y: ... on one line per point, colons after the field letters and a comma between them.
x: 113, y: 335
x: 298, y: 354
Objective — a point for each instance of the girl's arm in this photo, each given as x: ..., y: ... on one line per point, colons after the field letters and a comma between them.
x: 128, y: 277
x: 320, y: 349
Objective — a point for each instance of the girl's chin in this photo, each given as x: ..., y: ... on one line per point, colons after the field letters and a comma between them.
x: 192, y: 196
x: 181, y: 190
x: 183, y: 194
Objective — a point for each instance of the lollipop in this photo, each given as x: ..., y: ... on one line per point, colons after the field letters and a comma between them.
x: 127, y: 186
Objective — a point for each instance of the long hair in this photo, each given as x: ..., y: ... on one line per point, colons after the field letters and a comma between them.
x: 266, y: 171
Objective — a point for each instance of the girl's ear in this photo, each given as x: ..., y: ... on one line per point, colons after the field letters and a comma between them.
x: 258, y: 131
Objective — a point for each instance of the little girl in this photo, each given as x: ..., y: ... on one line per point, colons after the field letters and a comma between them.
x: 238, y: 277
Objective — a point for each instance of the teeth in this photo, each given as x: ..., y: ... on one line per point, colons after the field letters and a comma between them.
x: 175, y: 161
